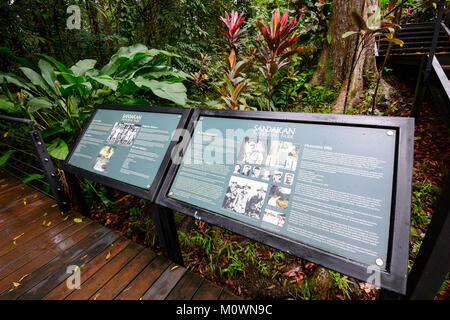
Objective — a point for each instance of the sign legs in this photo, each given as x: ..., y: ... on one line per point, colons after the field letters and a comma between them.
x: 167, y: 233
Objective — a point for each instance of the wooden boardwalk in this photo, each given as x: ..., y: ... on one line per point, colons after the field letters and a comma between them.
x: 38, y: 243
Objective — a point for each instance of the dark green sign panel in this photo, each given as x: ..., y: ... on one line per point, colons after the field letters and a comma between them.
x: 128, y: 146
x: 327, y: 186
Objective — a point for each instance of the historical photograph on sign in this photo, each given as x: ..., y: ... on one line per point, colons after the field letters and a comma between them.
x: 274, y: 217
x: 288, y: 179
x: 237, y: 169
x: 253, y: 150
x: 103, y: 158
x: 266, y: 175
x: 277, y: 176
x: 283, y: 155
x: 246, y: 170
x: 256, y: 172
x: 245, y: 197
x: 123, y: 134
x: 279, y: 197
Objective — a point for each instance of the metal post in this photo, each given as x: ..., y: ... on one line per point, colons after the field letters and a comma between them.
x: 77, y: 194
x: 433, y: 261
x: 167, y: 233
x: 49, y: 170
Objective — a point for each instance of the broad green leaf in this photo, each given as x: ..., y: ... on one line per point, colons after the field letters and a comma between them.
x: 36, y: 104
x: 35, y: 78
x: 107, y: 81
x: 128, y: 87
x: 160, y: 71
x: 32, y: 177
x: 82, y: 66
x: 18, y: 81
x: 48, y: 74
x: 61, y: 67
x: 175, y: 92
x: 8, y: 106
x: 123, y: 55
x: 58, y: 149
x: 5, y: 157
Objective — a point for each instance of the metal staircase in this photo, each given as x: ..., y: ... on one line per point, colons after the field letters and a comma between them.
x: 426, y: 45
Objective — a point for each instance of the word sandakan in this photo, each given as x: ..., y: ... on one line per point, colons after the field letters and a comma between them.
x: 294, y: 179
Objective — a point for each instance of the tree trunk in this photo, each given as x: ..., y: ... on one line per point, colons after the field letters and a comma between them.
x: 342, y: 56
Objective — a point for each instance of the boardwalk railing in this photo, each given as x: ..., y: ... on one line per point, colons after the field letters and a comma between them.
x: 34, y: 147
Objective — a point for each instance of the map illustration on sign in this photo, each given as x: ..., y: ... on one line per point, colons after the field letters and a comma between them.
x: 324, y: 185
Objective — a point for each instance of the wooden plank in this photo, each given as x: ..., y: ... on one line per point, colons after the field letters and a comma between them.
x: 56, y: 272
x: 207, y: 291
x: 97, y: 240
x: 60, y: 275
x: 145, y: 279
x: 165, y: 283
x: 45, y: 257
x: 29, y: 230
x: 25, y: 213
x: 186, y: 287
x: 14, y: 197
x: 102, y: 276
x: 18, y: 257
x: 114, y: 286
x: 88, y: 269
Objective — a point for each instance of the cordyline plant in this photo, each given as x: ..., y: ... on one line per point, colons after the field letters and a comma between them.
x: 279, y: 45
x: 234, y: 86
x: 233, y: 30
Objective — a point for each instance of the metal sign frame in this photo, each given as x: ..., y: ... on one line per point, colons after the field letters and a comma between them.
x: 395, y: 276
x: 148, y: 194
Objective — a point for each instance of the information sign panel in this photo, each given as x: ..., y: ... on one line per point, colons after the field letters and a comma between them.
x: 126, y: 147
x: 323, y: 187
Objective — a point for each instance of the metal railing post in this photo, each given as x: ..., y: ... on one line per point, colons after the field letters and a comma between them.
x: 49, y: 170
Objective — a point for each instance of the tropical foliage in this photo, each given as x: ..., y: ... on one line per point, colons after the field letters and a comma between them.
x: 60, y: 98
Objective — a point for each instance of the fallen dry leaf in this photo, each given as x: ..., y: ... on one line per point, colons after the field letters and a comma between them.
x: 108, y: 255
x: 17, y: 237
x: 49, y: 224
x: 15, y: 284
x: 54, y: 205
x: 23, y: 277
x: 173, y: 268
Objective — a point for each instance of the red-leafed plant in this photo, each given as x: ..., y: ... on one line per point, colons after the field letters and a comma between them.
x: 279, y: 45
x: 233, y: 30
x: 234, y: 86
